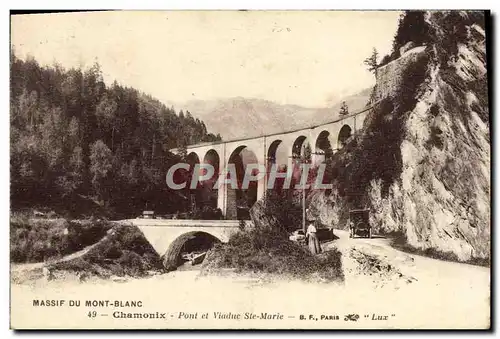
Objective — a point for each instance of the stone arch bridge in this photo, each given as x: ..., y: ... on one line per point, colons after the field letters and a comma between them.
x: 171, y: 237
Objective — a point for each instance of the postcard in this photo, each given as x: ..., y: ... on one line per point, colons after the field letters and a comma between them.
x: 250, y: 170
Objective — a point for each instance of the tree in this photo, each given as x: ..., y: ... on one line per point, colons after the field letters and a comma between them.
x: 306, y: 154
x: 411, y: 27
x: 27, y: 112
x: 371, y: 62
x: 101, y: 163
x: 68, y: 183
x: 70, y: 133
x: 344, y: 110
x: 77, y: 165
x: 105, y: 112
x: 182, y: 152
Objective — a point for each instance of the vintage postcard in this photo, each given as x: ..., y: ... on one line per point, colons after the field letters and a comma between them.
x: 250, y: 170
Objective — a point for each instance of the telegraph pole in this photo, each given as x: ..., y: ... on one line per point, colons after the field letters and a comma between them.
x: 303, y: 160
x: 300, y: 160
x: 268, y: 161
x: 304, y: 228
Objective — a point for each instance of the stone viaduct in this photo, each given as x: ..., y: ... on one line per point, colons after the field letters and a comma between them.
x: 322, y: 139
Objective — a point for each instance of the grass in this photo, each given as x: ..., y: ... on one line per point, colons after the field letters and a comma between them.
x: 36, y: 240
x: 123, y: 252
x: 119, y: 250
x: 266, y: 250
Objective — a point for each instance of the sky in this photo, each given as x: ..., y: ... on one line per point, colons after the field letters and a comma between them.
x: 307, y: 58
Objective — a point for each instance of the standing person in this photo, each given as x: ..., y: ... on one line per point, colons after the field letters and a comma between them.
x: 312, y: 239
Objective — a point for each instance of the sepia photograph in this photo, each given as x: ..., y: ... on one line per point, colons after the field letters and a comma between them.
x: 251, y: 169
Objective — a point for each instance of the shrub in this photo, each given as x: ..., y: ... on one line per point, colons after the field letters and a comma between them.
x: 385, y: 60
x: 83, y: 234
x: 411, y: 27
x: 207, y: 213
x: 435, y: 138
x: 267, y: 250
x: 34, y: 240
x: 125, y: 251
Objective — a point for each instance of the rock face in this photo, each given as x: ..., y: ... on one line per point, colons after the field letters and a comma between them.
x: 389, y: 77
x: 409, y: 45
x: 445, y: 184
x: 439, y: 195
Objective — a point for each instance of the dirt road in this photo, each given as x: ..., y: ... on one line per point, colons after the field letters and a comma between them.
x: 386, y: 288
x: 362, y: 255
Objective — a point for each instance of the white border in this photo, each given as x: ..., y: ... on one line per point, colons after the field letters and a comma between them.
x: 252, y: 4
x: 179, y: 4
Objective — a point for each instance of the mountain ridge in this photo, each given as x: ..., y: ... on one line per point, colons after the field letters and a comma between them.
x: 252, y: 117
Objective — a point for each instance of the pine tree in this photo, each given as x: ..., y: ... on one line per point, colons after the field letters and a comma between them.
x: 371, y: 62
x: 344, y: 109
x: 101, y: 163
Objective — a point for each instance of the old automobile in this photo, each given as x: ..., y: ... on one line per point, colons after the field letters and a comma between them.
x: 359, y: 224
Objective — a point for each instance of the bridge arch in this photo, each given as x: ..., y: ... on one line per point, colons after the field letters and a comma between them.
x: 277, y: 154
x: 300, y: 152
x: 192, y: 158
x: 344, y: 134
x: 272, y: 151
x: 187, y: 242
x: 299, y: 147
x: 240, y: 200
x: 323, y: 147
x: 212, y: 157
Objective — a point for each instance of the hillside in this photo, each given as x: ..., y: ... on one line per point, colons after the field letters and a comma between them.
x: 422, y: 160
x: 250, y: 117
x: 79, y: 146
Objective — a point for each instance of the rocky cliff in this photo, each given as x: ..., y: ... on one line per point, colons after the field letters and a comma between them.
x: 422, y: 161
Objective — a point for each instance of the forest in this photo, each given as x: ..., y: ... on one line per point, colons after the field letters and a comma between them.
x: 80, y: 147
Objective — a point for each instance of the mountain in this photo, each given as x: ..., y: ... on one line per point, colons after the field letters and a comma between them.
x: 421, y: 164
x: 241, y: 117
